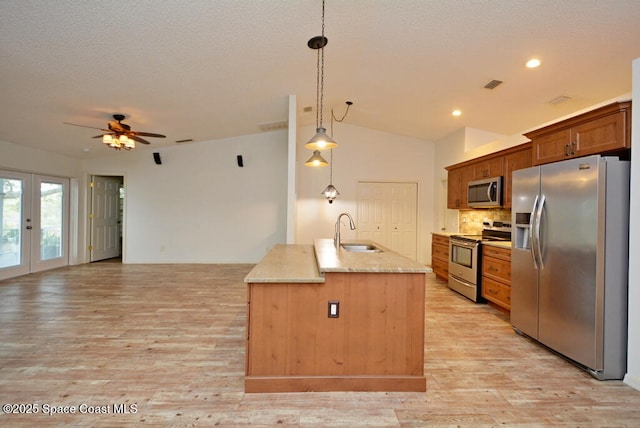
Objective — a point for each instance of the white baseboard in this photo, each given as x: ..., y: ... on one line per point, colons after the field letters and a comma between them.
x: 632, y: 381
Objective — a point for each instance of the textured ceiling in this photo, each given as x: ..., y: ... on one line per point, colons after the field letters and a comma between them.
x: 206, y: 70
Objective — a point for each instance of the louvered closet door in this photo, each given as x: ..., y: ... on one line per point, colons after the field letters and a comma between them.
x: 387, y: 214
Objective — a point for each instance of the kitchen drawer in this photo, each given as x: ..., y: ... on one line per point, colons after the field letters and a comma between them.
x: 440, y: 239
x: 497, y: 252
x: 440, y: 268
x: 440, y: 252
x: 496, y: 292
x: 497, y: 269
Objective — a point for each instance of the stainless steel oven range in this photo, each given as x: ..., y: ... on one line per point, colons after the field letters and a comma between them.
x: 464, y: 260
x: 464, y: 272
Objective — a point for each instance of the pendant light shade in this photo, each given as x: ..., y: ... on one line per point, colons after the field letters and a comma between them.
x: 316, y: 160
x: 330, y: 192
x: 321, y: 141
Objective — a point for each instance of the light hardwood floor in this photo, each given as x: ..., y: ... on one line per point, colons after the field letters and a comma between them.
x: 170, y: 340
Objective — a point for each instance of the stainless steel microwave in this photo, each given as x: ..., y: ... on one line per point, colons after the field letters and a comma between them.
x: 485, y: 193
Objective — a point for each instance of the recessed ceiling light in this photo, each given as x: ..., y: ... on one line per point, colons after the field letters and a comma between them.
x: 456, y: 113
x: 533, y: 63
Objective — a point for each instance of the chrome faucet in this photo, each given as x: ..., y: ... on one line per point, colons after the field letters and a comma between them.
x: 336, y: 237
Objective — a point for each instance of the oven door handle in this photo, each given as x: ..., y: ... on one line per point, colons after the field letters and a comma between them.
x: 463, y: 244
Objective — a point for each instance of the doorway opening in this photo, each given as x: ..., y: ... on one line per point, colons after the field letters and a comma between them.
x: 106, y: 215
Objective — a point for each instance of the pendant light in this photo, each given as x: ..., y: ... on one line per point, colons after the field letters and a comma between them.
x: 320, y: 141
x: 330, y: 192
x: 316, y: 160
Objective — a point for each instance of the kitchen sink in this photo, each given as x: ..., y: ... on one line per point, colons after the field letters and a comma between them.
x: 361, y: 248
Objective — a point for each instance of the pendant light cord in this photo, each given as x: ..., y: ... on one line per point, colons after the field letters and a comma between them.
x: 331, y: 169
x: 320, y: 76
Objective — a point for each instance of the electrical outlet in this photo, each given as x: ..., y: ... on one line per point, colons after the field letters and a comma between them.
x: 334, y: 309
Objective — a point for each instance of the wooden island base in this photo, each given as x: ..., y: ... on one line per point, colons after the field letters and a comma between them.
x: 358, y: 327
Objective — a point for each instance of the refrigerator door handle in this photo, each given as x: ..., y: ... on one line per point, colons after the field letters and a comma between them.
x: 537, y: 231
x: 530, y: 233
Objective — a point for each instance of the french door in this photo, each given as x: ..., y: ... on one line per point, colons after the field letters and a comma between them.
x: 34, y: 223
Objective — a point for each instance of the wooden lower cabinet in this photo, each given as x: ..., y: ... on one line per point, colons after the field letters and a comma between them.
x: 440, y: 256
x: 376, y: 342
x: 496, y: 276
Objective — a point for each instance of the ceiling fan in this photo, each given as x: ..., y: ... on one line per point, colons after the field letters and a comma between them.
x: 119, y: 135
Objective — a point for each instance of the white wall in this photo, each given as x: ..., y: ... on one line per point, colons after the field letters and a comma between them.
x: 198, y: 206
x: 362, y: 155
x: 22, y: 158
x: 633, y: 351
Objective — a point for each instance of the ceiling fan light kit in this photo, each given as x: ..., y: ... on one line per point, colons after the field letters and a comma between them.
x: 121, y: 142
x: 119, y: 135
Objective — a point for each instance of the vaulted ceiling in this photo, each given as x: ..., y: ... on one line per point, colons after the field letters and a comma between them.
x: 210, y: 69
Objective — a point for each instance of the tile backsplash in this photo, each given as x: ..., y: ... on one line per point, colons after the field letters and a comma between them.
x: 470, y: 221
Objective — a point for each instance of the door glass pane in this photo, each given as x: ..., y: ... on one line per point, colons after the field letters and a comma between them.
x: 51, y: 198
x: 10, y: 221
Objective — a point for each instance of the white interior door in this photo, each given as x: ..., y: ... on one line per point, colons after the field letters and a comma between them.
x: 403, y: 218
x: 371, y: 212
x: 387, y: 214
x: 105, y: 217
x: 34, y: 225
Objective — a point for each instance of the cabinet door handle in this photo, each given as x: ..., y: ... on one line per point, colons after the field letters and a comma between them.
x: 566, y: 150
x: 574, y: 146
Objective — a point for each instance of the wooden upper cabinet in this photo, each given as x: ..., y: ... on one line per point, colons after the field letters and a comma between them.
x: 455, y: 191
x: 551, y: 147
x: 512, y: 162
x: 488, y: 168
x: 601, y: 135
x: 501, y: 163
x: 603, y: 130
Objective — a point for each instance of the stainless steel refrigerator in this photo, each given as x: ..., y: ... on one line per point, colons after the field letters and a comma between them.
x: 569, y: 260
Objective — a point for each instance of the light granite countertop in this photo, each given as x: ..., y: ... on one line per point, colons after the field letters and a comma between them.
x: 287, y: 263
x: 501, y: 244
x: 341, y: 260
x: 445, y: 233
x: 308, y: 263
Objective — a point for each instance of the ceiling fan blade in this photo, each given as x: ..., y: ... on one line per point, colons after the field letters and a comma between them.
x: 138, y: 139
x: 147, y: 134
x: 85, y: 126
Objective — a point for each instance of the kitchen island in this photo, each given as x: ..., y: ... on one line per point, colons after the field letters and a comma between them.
x: 327, y: 319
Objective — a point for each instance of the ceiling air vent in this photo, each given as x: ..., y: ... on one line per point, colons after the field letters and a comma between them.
x: 559, y: 100
x: 272, y: 126
x: 493, y: 84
